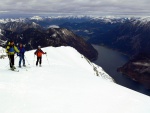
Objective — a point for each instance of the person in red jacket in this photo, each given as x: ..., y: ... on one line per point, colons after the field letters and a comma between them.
x: 39, y: 53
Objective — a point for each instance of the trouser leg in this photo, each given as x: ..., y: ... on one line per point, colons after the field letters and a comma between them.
x: 11, y: 60
x: 38, y: 58
x: 20, y: 61
x: 23, y: 60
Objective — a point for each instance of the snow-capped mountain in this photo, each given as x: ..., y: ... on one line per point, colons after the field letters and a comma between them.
x: 32, y: 37
x: 59, y: 20
x: 128, y: 35
x: 36, y: 18
x: 19, y: 26
x: 64, y: 85
x: 46, y: 21
x: 53, y: 26
x: 114, y: 32
x: 4, y: 21
x: 107, y: 19
x: 2, y: 38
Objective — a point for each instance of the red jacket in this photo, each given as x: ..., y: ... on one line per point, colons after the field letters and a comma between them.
x: 39, y: 53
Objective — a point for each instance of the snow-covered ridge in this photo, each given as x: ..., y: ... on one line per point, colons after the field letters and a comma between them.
x: 3, y: 21
x: 110, y: 19
x: 53, y: 26
x: 65, y: 83
x: 134, y: 20
x: 144, y: 20
x: 36, y: 18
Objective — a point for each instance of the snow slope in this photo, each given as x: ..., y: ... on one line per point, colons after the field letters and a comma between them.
x: 66, y: 83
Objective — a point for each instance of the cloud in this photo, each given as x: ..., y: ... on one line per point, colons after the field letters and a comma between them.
x: 98, y: 7
x: 4, y: 11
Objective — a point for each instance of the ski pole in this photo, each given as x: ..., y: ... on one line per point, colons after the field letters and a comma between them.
x: 26, y: 60
x: 33, y: 60
x: 47, y: 59
x: 9, y: 61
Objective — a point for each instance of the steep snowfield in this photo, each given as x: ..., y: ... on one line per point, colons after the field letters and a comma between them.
x: 66, y: 83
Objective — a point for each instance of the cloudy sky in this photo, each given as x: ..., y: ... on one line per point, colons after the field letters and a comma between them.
x: 76, y: 7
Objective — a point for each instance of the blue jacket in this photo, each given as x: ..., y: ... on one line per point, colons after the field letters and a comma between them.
x: 22, y: 51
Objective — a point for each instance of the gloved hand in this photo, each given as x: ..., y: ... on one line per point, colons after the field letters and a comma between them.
x: 18, y: 54
x: 45, y: 53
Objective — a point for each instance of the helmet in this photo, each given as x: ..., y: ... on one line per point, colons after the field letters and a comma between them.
x: 39, y: 46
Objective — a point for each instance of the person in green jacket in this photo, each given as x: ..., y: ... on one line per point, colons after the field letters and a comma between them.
x: 11, y: 49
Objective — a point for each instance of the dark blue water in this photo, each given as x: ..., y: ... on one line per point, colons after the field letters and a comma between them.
x: 110, y: 60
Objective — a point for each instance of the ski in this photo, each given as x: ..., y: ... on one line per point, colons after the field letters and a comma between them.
x: 25, y: 68
x: 15, y: 70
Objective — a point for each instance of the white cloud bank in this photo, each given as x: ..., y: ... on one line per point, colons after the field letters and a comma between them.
x: 90, y: 7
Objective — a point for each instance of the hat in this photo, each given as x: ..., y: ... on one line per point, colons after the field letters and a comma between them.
x: 39, y: 46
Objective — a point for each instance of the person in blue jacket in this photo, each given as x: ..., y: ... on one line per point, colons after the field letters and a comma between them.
x: 21, y: 55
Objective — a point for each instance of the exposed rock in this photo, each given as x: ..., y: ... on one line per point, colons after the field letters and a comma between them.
x: 138, y: 69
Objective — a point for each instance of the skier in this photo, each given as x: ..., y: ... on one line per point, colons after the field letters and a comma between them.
x: 11, y: 49
x: 21, y: 55
x: 39, y: 53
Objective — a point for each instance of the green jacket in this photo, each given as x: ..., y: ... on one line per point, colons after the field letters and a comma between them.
x: 11, y: 50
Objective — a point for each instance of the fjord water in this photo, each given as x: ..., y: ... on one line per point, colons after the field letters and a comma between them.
x: 110, y: 60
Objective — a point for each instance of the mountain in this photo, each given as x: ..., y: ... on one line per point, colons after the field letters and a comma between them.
x: 127, y: 35
x: 36, y: 31
x: 2, y: 38
x: 138, y: 69
x: 47, y: 21
x: 19, y: 26
x: 33, y: 37
x: 65, y: 84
